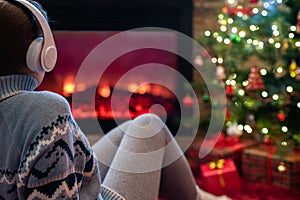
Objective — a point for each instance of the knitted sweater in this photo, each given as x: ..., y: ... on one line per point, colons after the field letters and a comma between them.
x: 44, y: 155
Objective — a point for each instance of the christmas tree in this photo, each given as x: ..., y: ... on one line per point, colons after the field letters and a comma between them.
x: 257, y: 53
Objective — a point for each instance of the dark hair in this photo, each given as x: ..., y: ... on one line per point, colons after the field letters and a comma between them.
x: 18, y: 28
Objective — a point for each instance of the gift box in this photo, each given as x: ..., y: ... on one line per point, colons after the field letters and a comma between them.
x: 220, y: 177
x: 217, y: 148
x: 264, y: 164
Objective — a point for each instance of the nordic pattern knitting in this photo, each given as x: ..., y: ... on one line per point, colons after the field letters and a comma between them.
x: 44, y: 155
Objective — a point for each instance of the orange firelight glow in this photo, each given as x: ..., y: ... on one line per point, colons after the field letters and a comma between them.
x: 104, y: 91
x: 68, y: 87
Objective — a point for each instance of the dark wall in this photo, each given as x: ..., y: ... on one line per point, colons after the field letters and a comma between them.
x: 120, y: 14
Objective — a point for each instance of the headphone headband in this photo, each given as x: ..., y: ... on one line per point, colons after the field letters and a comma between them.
x: 48, y: 54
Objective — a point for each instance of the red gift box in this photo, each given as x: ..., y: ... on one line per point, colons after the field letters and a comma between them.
x: 219, y: 147
x: 220, y: 177
x: 264, y: 164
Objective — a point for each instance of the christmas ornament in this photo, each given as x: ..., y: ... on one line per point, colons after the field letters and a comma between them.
x: 238, y: 7
x: 229, y: 91
x: 267, y: 140
x: 198, y: 61
x: 281, y: 167
x: 255, y: 80
x: 281, y: 116
x: 235, y: 38
x: 292, y: 69
x: 220, y: 73
x: 188, y: 101
x: 205, y: 98
x: 227, y: 114
x: 215, y: 104
x: 233, y: 130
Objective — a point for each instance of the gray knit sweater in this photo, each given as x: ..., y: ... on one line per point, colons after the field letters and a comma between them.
x: 43, y: 153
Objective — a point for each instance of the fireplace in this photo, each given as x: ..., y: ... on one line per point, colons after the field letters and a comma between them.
x: 79, y: 27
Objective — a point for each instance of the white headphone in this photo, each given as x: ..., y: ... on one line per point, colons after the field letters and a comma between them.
x: 42, y: 53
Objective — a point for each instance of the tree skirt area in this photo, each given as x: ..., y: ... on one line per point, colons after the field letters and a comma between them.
x: 262, y: 191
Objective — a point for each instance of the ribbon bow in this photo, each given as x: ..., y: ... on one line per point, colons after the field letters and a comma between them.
x: 219, y: 164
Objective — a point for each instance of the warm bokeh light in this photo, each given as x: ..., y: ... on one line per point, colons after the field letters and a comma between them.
x: 68, y: 86
x: 104, y: 91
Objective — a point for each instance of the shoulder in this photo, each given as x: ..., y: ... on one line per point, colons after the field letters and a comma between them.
x: 37, y: 110
x: 45, y: 101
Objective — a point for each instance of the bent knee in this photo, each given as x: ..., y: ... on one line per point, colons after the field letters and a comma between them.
x: 145, y: 126
x: 148, y: 119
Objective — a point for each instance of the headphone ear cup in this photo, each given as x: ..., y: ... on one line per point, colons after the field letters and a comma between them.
x: 33, y: 57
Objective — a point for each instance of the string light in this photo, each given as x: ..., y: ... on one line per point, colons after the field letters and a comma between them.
x: 284, y: 129
x: 289, y: 89
x: 271, y: 40
x: 222, y: 22
x: 239, y: 14
x: 284, y: 144
x: 255, y: 10
x: 241, y: 92
x: 277, y: 45
x: 242, y: 34
x: 279, y: 70
x: 291, y: 35
x: 297, y: 44
x: 215, y: 34
x: 275, y: 97
x: 293, y: 28
x: 261, y: 45
x: 227, y: 41
x: 263, y: 72
x: 214, y: 60
x: 207, y: 33
x: 274, y: 27
x: 264, y: 94
x: 248, y: 128
x: 234, y: 29
x: 233, y: 82
x: 219, y: 39
x: 265, y: 131
x: 253, y: 27
x: 229, y: 20
x: 220, y: 60
x: 298, y: 104
x: 249, y: 41
x: 245, y: 83
x: 264, y: 13
x: 223, y: 28
x: 240, y: 127
x: 266, y: 5
x: 276, y: 33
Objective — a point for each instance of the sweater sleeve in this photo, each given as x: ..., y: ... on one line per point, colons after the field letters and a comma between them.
x: 59, y: 164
